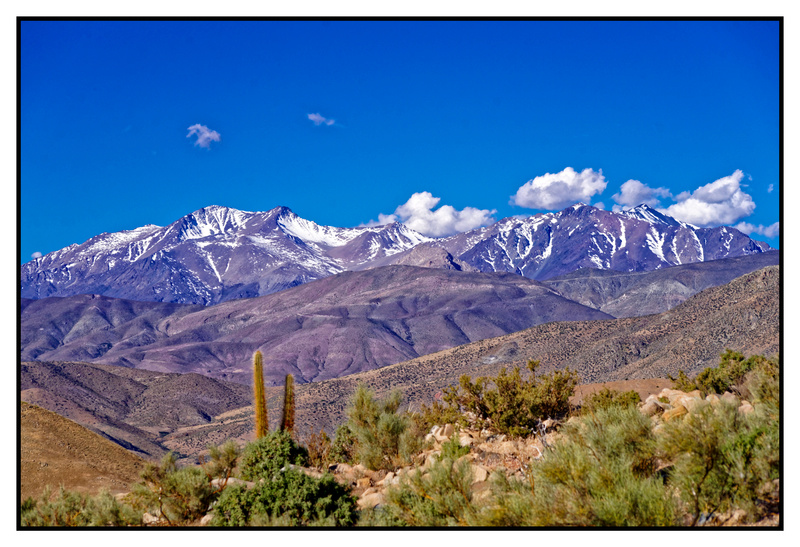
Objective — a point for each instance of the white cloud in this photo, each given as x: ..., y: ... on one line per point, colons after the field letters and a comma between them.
x: 560, y: 190
x: 204, y: 135
x: 719, y: 202
x: 320, y: 120
x: 600, y: 205
x: 418, y: 214
x: 633, y: 193
x: 773, y: 230
x: 770, y: 188
x: 37, y: 254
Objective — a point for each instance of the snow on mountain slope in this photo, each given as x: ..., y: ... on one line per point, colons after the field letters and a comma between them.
x: 218, y: 253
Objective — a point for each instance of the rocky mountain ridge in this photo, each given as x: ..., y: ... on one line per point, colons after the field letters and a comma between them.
x: 218, y: 254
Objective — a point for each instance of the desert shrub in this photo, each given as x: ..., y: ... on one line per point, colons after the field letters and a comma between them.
x: 318, y: 446
x: 180, y: 495
x: 441, y: 497
x: 266, y: 456
x: 607, y: 398
x: 437, y: 413
x: 68, y: 509
x: 722, y: 458
x: 289, y: 498
x: 601, y: 473
x: 384, y: 439
x: 220, y: 463
x: 762, y: 383
x: 731, y: 371
x: 452, y: 448
x: 343, y: 446
x: 515, y: 404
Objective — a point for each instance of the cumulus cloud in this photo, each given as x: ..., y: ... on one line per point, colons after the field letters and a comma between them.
x: 205, y: 136
x: 37, y: 254
x: 716, y: 203
x: 770, y: 188
x: 418, y: 214
x: 634, y: 192
x: 773, y: 230
x: 560, y: 190
x: 320, y: 120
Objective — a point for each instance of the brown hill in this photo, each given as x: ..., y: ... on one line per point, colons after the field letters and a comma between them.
x: 134, y: 408
x: 57, y: 451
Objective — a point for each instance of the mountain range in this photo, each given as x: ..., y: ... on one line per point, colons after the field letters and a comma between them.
x: 349, y: 322
x: 217, y: 254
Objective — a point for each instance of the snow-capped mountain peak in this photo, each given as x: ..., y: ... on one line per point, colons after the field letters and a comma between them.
x: 218, y: 253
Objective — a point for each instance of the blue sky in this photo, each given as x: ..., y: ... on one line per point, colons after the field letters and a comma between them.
x: 442, y: 125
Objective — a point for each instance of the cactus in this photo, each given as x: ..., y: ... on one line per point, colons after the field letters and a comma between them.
x: 260, y: 401
x: 287, y: 424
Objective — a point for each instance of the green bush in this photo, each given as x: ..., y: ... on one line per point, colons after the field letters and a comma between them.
x: 384, y: 439
x: 220, y: 463
x: 343, y: 446
x: 607, y: 398
x: 731, y: 371
x: 722, y: 459
x: 318, y: 446
x: 515, y: 404
x: 442, y: 497
x: 452, y: 448
x: 601, y: 473
x: 289, y: 498
x: 180, y: 495
x: 266, y: 456
x: 72, y: 509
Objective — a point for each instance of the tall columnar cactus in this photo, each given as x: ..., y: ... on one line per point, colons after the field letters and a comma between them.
x: 287, y: 424
x: 259, y: 399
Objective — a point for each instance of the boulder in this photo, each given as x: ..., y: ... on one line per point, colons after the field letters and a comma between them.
x: 206, y: 520
x: 712, y: 398
x: 729, y: 398
x: 507, y: 447
x: 147, y: 518
x: 479, y: 473
x: 387, y: 480
x: 650, y: 408
x: 364, y: 482
x: 371, y: 500
x: 465, y: 439
x: 448, y: 430
x: 746, y: 407
x: 674, y: 413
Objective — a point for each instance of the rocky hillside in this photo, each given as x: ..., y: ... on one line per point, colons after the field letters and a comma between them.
x: 643, y: 293
x: 343, y: 324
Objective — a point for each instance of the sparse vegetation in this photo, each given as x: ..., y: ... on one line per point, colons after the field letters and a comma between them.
x: 729, y: 373
x: 607, y: 398
x: 69, y: 509
x: 515, y: 405
x: 609, y: 466
x: 383, y: 438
